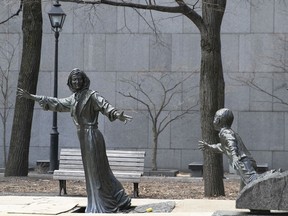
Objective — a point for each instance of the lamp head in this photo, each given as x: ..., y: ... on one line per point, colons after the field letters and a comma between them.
x: 57, y: 17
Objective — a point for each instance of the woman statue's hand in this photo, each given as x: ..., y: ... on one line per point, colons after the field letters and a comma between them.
x: 21, y: 93
x: 124, y: 118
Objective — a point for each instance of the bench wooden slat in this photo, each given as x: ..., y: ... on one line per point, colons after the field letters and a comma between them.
x: 124, y: 154
x: 79, y: 175
x: 78, y: 178
x: 70, y: 157
x: 79, y: 158
x: 79, y: 172
x: 109, y: 152
x: 112, y: 163
x: 140, y: 160
x: 68, y: 173
x: 70, y: 166
x: 71, y: 162
x: 114, y: 168
x: 127, y: 164
x: 118, y: 166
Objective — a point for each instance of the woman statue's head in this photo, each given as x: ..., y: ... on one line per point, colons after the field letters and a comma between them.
x: 78, y: 80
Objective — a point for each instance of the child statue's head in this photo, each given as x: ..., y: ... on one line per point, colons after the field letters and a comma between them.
x: 223, y: 119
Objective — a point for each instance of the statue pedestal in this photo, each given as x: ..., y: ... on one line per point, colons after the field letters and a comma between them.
x: 239, y: 213
x: 268, y: 192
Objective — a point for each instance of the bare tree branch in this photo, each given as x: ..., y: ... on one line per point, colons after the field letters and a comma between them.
x: 161, y: 128
x: 147, y: 6
x: 253, y: 84
x: 15, y: 14
x: 182, y: 8
x: 138, y: 88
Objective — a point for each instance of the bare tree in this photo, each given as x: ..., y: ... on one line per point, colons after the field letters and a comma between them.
x: 167, y: 90
x: 7, y: 55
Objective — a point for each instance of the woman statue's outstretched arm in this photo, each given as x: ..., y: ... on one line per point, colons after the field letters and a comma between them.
x: 48, y: 103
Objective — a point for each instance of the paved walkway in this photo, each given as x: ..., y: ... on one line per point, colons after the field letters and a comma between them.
x: 43, y: 205
x: 66, y: 205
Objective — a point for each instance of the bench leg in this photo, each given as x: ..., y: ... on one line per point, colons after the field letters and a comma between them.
x: 62, y: 186
x: 136, y: 190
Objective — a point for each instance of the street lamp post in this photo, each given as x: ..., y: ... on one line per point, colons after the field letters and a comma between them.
x: 57, y: 18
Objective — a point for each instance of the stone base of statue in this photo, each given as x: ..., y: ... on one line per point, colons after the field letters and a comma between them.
x: 248, y: 213
x: 268, y: 192
x: 266, y: 195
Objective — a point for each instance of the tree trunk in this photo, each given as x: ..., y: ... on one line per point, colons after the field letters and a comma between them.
x: 4, y: 142
x: 154, y: 148
x: 211, y: 93
x: 17, y: 164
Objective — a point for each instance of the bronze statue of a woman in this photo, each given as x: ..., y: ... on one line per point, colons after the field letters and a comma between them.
x: 105, y: 194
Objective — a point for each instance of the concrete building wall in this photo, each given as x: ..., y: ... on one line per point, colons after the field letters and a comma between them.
x: 110, y: 48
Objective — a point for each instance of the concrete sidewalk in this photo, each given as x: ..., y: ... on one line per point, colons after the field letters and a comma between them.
x: 43, y: 205
x: 65, y: 205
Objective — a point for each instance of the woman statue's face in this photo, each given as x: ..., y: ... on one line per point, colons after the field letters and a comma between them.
x: 77, y: 82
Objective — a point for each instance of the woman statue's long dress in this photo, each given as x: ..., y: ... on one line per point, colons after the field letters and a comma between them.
x: 105, y: 193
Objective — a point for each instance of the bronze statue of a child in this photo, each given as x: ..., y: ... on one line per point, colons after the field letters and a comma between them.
x: 232, y: 146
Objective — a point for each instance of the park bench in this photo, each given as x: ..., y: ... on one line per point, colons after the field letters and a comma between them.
x: 127, y: 166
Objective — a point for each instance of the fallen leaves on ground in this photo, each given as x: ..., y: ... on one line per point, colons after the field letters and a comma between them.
x: 154, y: 188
